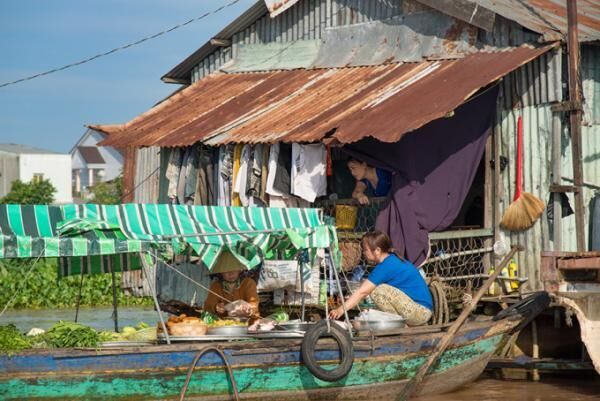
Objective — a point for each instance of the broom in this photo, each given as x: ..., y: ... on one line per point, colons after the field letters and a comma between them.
x: 525, y: 208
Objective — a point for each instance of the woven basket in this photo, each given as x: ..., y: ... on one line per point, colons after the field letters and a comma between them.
x: 345, y: 217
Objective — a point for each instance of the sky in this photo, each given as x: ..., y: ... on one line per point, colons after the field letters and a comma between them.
x: 38, y: 35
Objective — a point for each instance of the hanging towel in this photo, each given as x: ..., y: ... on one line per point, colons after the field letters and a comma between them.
x: 241, y: 182
x: 225, y: 170
x: 237, y: 153
x: 309, y: 171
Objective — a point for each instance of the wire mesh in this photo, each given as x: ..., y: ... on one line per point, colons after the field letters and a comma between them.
x: 456, y: 258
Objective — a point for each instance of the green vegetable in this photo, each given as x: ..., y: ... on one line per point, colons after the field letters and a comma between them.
x: 12, y: 340
x: 279, y: 316
x: 141, y: 326
x: 208, y: 318
x: 68, y: 334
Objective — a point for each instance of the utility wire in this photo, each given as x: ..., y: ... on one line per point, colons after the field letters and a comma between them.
x: 97, y: 56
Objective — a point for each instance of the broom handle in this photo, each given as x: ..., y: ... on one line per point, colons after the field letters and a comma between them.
x: 519, y: 179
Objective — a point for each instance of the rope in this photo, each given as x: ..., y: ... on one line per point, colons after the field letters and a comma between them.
x: 236, y: 394
x: 441, y: 313
x: 10, y: 301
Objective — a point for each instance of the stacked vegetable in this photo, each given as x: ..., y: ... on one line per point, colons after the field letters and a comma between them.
x: 68, y: 335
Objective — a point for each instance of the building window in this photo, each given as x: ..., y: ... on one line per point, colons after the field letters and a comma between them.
x: 37, y: 178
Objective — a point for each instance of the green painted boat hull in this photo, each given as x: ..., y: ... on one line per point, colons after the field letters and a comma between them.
x: 267, y: 374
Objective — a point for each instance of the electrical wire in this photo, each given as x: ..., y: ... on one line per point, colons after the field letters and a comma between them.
x: 116, y: 49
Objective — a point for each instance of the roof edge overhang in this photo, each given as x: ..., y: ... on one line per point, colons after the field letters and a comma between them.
x: 181, y: 73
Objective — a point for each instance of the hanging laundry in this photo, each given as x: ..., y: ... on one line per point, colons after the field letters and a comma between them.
x: 172, y: 173
x: 241, y: 181
x: 214, y: 188
x: 237, y: 153
x: 282, y: 182
x: 309, y: 168
x: 264, y: 173
x: 289, y: 201
x: 191, y: 171
x: 225, y: 178
x: 255, y: 167
x: 203, y: 184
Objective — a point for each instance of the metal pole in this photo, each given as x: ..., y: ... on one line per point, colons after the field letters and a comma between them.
x: 79, y: 296
x: 302, y: 292
x: 151, y: 285
x: 339, y: 286
x: 575, y: 121
x: 114, y: 294
x: 557, y: 152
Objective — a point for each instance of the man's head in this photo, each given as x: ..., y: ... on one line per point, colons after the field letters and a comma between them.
x: 231, y: 276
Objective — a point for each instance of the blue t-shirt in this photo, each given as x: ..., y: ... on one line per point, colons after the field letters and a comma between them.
x: 384, y: 183
x: 403, y: 276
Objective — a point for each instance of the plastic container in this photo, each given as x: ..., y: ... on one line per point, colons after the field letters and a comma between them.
x: 345, y: 217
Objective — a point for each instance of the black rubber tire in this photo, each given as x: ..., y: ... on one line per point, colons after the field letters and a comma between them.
x: 528, y: 308
x: 342, y: 337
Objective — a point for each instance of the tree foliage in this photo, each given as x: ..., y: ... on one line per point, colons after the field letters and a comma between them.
x: 30, y: 193
x: 108, y: 193
x: 43, y: 289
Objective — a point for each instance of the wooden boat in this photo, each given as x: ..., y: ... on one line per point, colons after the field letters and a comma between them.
x: 262, y: 369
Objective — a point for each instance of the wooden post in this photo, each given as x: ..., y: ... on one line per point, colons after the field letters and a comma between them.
x: 575, y: 121
x: 488, y: 199
x: 535, y: 354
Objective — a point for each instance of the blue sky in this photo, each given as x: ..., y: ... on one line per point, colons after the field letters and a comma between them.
x: 38, y: 35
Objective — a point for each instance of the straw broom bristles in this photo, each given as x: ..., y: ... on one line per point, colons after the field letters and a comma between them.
x: 526, y: 208
x: 522, y: 213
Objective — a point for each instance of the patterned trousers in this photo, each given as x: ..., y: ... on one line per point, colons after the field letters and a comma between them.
x: 392, y: 300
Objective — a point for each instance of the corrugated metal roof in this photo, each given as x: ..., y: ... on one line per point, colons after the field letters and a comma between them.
x: 181, y: 72
x: 347, y: 104
x: 549, y: 17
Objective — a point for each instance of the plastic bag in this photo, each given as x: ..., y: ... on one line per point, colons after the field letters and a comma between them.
x: 239, y: 308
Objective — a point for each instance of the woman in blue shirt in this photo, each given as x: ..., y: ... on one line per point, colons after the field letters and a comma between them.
x: 374, y: 180
x: 395, y: 285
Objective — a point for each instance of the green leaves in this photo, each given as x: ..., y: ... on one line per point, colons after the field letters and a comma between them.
x: 44, y: 290
x: 69, y: 334
x: 30, y: 193
x: 11, y: 340
x: 108, y: 193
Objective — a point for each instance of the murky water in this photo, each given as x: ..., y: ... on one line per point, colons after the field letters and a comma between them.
x: 98, y: 318
x: 549, y: 389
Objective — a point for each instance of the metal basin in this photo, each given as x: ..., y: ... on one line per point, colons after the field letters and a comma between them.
x: 228, y: 330
x: 377, y: 325
x: 294, y: 326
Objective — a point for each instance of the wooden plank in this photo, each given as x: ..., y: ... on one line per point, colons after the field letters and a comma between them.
x: 464, y: 10
x: 579, y: 263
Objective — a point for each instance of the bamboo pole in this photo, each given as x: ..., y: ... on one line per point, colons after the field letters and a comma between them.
x: 414, y: 386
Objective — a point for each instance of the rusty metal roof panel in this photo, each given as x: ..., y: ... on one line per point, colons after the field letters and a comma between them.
x: 549, y: 17
x: 382, y: 101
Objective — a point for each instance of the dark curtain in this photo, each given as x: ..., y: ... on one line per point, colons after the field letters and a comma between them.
x: 433, y: 168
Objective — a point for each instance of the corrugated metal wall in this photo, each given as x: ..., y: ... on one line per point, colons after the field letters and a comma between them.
x: 537, y: 90
x: 590, y: 71
x: 9, y: 171
x: 147, y: 170
x: 306, y: 20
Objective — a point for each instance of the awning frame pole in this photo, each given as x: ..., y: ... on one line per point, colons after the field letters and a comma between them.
x: 341, y: 295
x: 79, y: 296
x: 151, y: 285
x: 114, y: 297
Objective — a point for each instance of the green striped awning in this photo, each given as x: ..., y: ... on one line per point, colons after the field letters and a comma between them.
x: 90, y: 232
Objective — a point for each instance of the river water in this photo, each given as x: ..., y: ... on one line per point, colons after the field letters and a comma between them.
x: 551, y: 388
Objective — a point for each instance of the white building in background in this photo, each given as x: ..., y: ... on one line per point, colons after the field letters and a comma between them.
x: 91, y: 163
x: 26, y: 163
